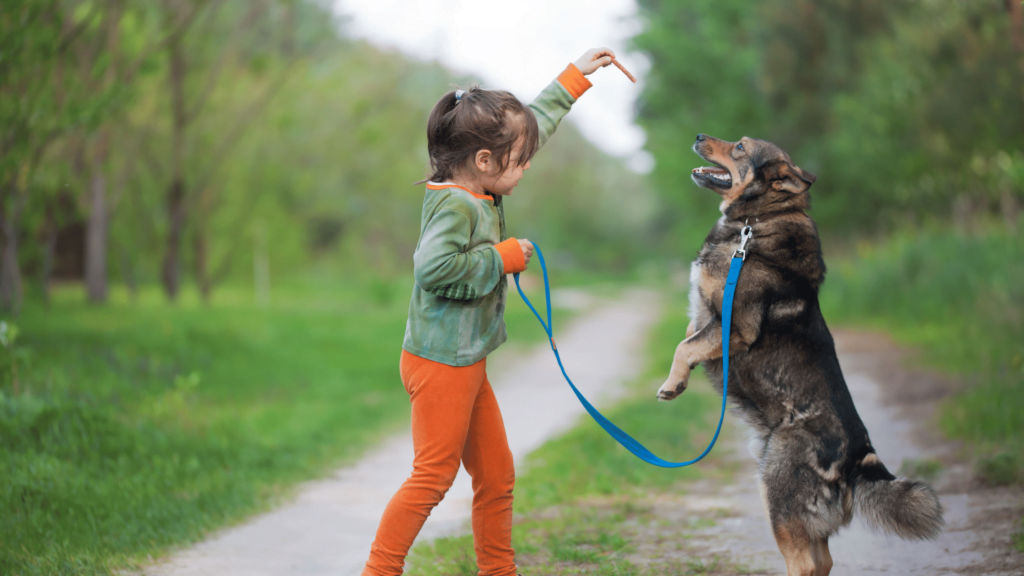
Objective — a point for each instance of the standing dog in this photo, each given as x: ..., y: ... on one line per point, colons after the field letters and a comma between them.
x: 815, y: 460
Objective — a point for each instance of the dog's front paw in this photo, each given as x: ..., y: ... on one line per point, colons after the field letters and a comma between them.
x: 671, y: 389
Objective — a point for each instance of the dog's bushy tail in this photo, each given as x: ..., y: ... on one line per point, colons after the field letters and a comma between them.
x: 899, y: 506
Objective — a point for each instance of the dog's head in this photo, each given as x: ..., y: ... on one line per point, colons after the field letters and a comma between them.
x: 754, y: 177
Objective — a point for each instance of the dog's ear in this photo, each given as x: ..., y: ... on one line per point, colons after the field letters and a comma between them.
x: 792, y: 179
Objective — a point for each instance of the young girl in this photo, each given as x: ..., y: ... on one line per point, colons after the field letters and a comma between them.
x: 480, y: 142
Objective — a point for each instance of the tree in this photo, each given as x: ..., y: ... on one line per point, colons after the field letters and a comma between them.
x: 196, y: 65
x: 33, y: 38
x: 906, y: 111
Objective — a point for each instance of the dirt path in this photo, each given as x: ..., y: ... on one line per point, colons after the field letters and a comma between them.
x: 725, y: 526
x: 329, y: 526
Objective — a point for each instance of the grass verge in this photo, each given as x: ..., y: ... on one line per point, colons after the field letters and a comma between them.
x: 134, y: 427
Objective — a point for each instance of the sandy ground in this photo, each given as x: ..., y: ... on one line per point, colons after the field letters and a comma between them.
x: 328, y: 527
x: 710, y: 520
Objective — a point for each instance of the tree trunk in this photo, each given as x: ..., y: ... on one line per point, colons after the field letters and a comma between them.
x: 49, y: 250
x: 260, y: 264
x: 176, y: 191
x: 1011, y: 210
x: 96, y: 239
x: 963, y: 212
x: 10, y: 271
x: 176, y: 225
x: 200, y: 257
x: 1016, y: 23
x: 288, y: 43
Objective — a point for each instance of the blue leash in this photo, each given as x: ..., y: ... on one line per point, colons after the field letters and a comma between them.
x: 638, y: 449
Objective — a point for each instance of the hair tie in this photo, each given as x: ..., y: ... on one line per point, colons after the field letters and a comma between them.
x: 458, y: 95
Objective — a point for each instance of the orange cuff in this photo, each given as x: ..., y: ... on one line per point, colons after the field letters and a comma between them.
x: 574, y: 81
x: 511, y: 256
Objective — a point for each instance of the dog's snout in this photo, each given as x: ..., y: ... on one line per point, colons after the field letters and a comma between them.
x: 701, y: 137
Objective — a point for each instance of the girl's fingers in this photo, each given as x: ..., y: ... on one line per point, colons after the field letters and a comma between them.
x: 595, y: 58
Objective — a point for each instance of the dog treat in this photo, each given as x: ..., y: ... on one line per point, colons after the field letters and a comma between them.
x: 624, y: 71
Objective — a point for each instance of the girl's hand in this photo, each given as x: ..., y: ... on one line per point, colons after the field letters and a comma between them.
x: 593, y: 59
x: 527, y: 247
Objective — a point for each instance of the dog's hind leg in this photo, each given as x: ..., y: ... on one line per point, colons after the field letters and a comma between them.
x: 823, y: 558
x: 803, y: 509
x: 805, y: 555
x: 798, y: 548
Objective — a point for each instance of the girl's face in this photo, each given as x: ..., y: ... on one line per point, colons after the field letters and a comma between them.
x: 504, y: 182
x: 482, y: 175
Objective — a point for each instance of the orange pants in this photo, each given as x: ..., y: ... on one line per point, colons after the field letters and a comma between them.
x: 455, y: 417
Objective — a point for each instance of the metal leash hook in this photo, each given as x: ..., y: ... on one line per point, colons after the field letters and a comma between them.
x: 745, y: 235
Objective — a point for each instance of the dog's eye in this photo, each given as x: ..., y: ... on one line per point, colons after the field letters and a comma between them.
x: 739, y: 146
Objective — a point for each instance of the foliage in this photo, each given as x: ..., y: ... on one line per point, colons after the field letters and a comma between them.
x: 329, y: 173
x: 904, y: 110
x: 242, y: 132
x: 30, y: 44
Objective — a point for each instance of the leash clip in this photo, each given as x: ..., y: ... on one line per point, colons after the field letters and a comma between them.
x: 745, y: 235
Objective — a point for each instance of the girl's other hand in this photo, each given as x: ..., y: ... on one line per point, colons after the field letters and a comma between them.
x: 593, y: 59
x: 527, y: 247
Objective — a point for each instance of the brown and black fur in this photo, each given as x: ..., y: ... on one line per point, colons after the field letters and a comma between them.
x: 816, y: 462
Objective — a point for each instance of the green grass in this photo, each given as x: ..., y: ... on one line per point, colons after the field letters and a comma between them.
x: 583, y: 539
x: 574, y: 496
x: 960, y: 299
x: 138, y: 426
x: 999, y: 470
x: 926, y: 469
x: 1018, y: 539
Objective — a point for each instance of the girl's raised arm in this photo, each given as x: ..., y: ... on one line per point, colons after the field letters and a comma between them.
x: 554, y: 102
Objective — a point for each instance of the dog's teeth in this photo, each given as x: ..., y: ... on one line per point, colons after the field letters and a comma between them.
x: 714, y: 173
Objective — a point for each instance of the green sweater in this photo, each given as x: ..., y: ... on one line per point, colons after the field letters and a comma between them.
x: 456, y: 315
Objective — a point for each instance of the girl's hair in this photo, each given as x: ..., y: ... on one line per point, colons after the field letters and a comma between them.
x: 481, y: 119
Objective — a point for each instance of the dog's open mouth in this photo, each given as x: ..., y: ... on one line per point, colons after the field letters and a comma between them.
x: 712, y: 175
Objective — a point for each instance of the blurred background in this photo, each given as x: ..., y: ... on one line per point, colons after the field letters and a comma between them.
x: 207, y: 217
